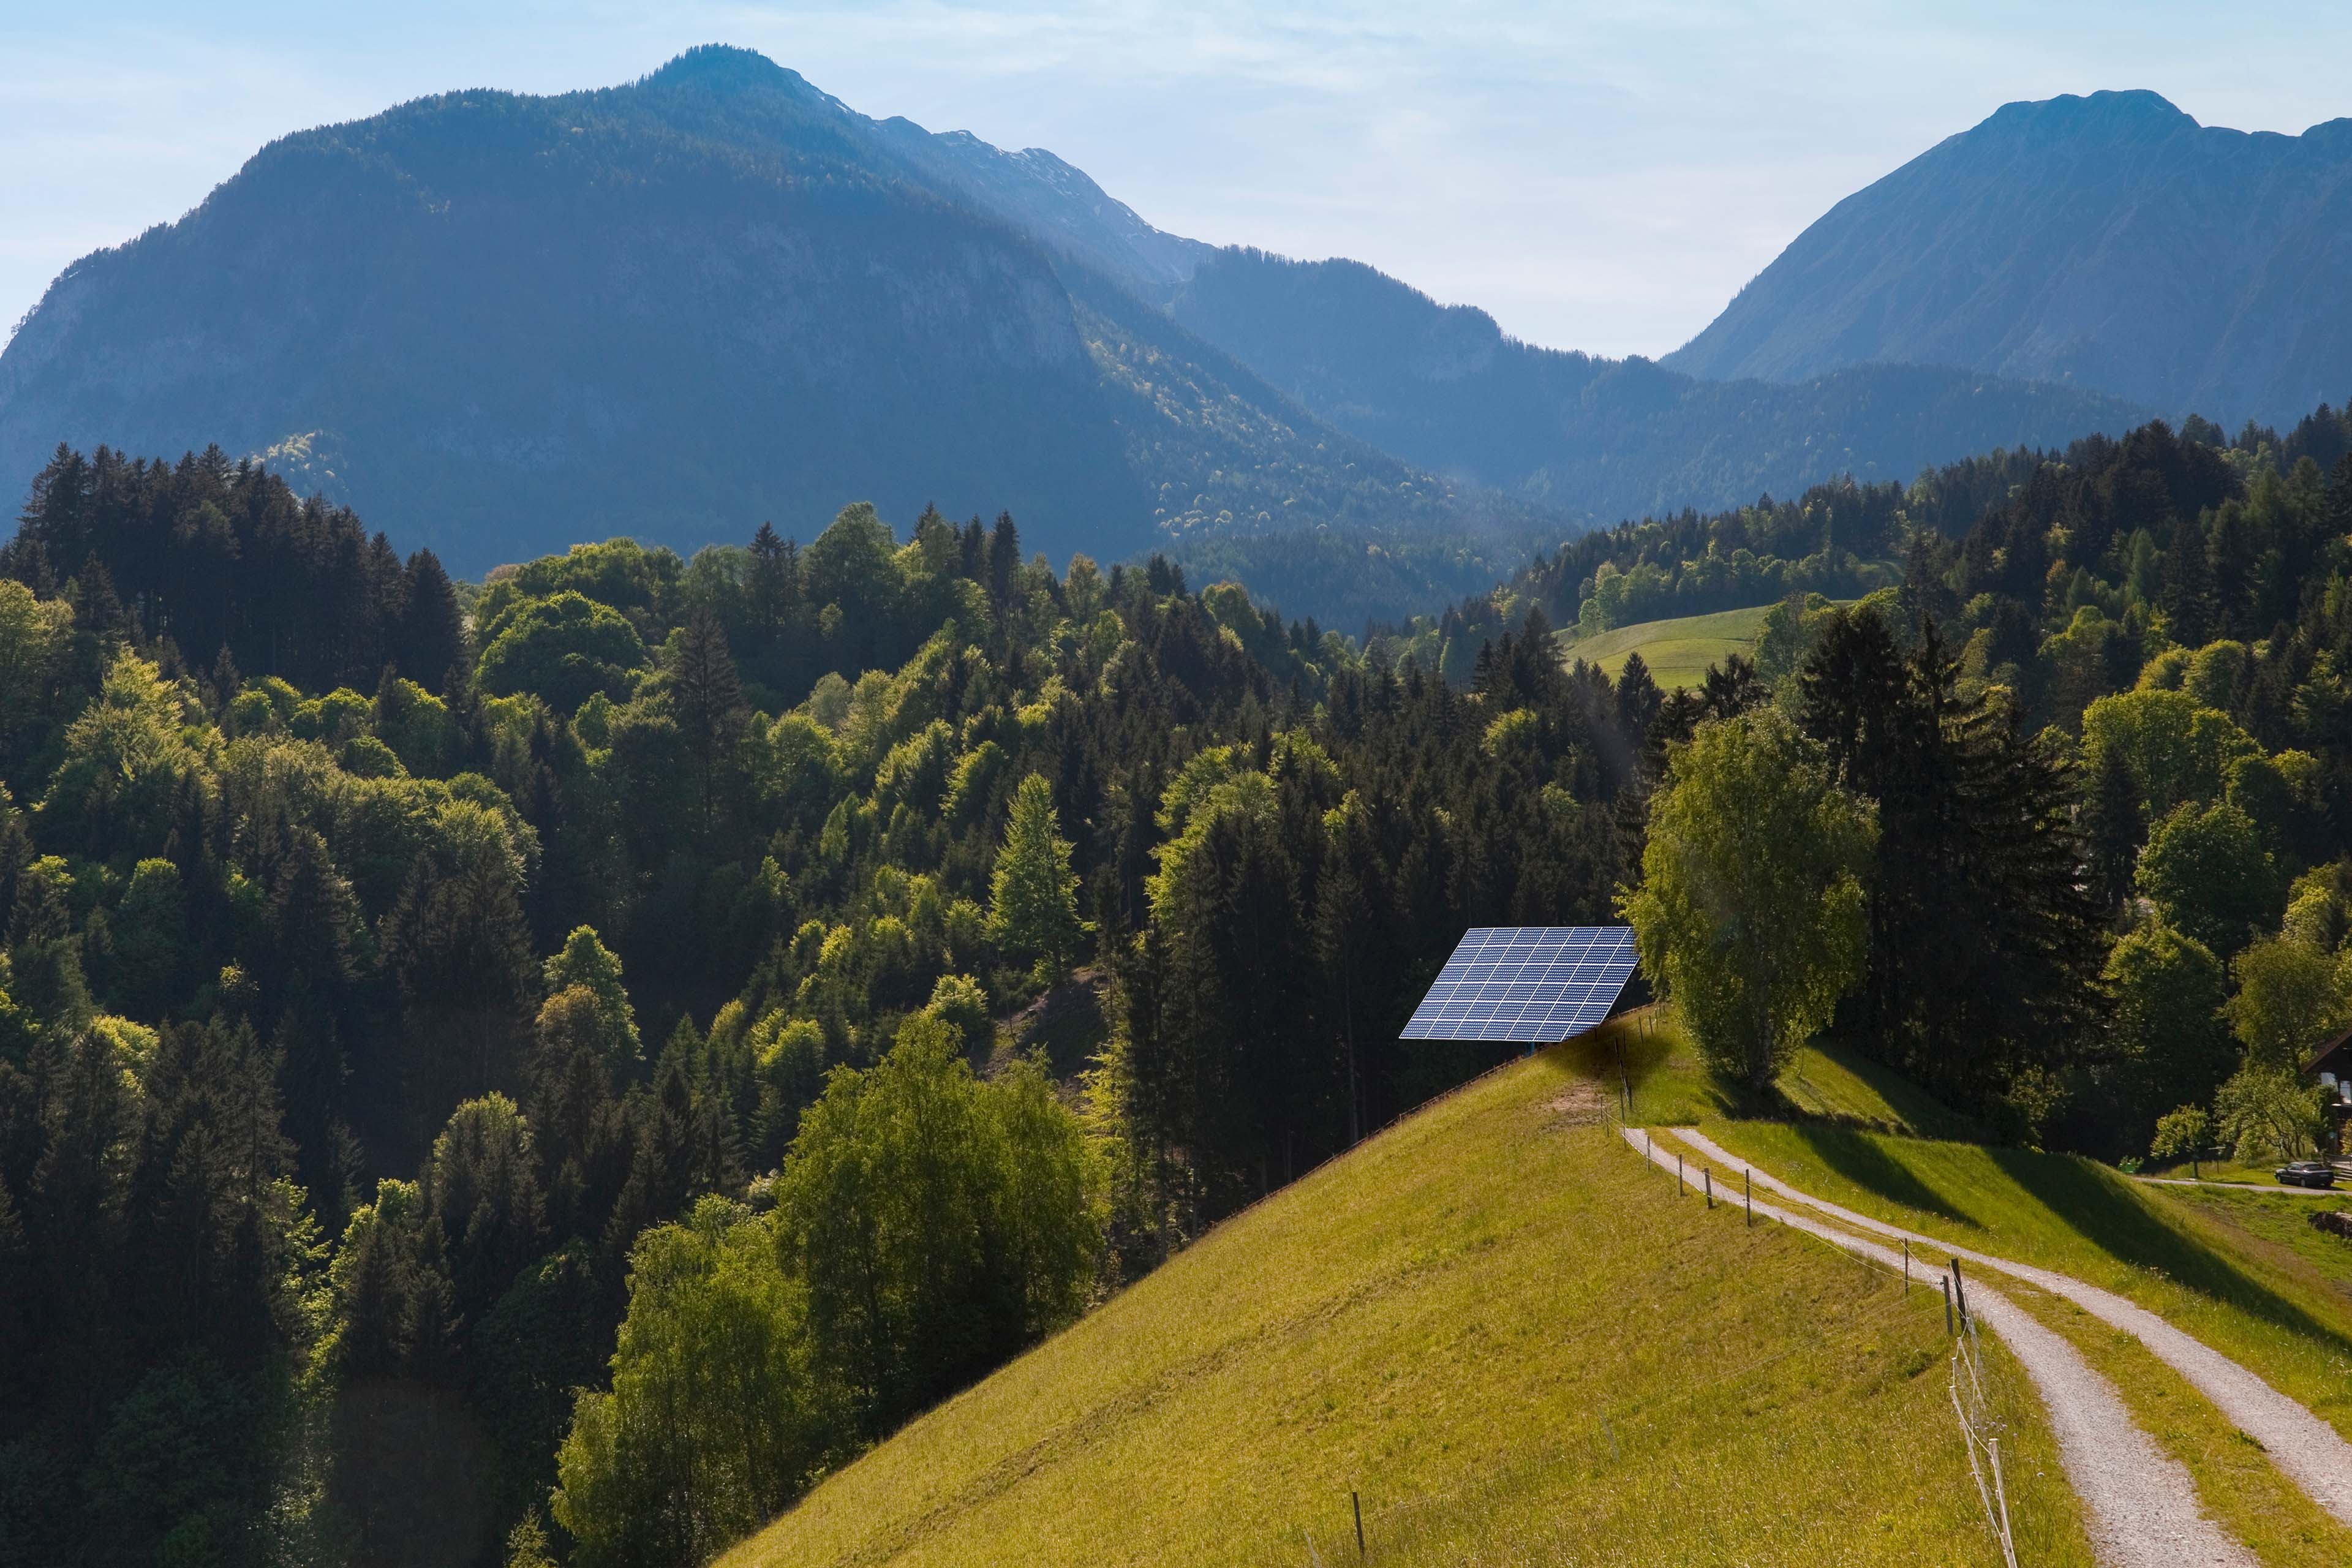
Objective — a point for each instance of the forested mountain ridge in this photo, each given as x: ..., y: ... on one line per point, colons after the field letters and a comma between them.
x: 2107, y: 241
x: 503, y: 324
x: 1845, y: 540
x: 1444, y: 387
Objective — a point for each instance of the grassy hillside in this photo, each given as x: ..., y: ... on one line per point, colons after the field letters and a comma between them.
x: 1679, y: 651
x: 1506, y: 1332
x: 2214, y: 1275
x: 2241, y: 1271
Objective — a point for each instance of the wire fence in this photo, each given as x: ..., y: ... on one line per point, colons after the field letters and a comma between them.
x: 1979, y: 1389
x: 1980, y: 1422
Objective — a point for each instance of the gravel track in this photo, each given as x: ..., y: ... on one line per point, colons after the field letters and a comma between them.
x: 2142, y: 1505
x: 2308, y: 1450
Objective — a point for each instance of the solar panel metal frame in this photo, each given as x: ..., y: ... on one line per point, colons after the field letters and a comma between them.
x: 1531, y: 984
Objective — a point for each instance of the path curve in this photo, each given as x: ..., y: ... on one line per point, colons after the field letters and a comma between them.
x: 2280, y: 1191
x: 2142, y: 1504
x: 2309, y: 1451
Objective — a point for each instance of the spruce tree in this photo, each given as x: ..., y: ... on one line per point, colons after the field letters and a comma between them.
x: 1032, y: 895
x: 771, y: 585
x: 1985, y: 941
x: 1003, y: 558
x: 706, y: 693
x: 2187, y: 598
x: 430, y: 642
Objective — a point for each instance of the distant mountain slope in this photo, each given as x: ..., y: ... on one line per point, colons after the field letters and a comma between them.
x: 498, y: 324
x: 1054, y: 203
x: 2110, y: 241
x: 1443, y: 387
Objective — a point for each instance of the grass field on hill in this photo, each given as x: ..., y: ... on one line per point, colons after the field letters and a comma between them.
x: 1504, y: 1331
x: 1678, y: 651
x: 2240, y: 1271
x: 2250, y: 1297
x: 2244, y: 1270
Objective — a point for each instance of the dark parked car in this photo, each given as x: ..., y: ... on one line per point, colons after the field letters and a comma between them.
x: 2308, y: 1173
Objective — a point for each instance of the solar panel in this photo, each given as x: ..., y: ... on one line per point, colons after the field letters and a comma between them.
x: 1535, y: 985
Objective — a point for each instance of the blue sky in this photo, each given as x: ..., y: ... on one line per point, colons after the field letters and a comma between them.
x: 1602, y: 177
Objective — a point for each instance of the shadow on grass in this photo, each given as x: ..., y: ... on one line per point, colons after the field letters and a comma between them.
x: 2098, y: 1206
x: 1916, y: 1112
x: 1630, y: 1052
x: 1866, y: 1166
x: 2087, y: 1201
x: 2123, y: 1224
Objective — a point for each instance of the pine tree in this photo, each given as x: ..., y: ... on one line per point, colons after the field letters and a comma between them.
x: 1638, y: 699
x: 771, y: 584
x: 430, y: 642
x: 706, y: 693
x: 1032, y: 895
x: 2188, y: 599
x: 1003, y: 558
x: 1985, y: 945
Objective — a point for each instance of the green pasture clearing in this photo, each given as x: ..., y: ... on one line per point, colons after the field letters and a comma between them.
x: 1678, y: 652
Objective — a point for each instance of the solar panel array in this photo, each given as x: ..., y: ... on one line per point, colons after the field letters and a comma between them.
x: 1535, y: 985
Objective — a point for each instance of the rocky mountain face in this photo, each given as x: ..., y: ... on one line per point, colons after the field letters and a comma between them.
x: 1443, y: 387
x: 2106, y: 242
x: 497, y: 324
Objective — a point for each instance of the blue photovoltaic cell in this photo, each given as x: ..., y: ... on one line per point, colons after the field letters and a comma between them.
x: 1537, y: 985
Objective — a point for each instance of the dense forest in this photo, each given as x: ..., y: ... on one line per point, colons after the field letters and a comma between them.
x: 1845, y: 538
x: 543, y: 1070
x: 408, y: 986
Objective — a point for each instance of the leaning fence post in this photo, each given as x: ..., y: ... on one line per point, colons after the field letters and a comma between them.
x: 1358, y: 1504
x: 1710, y: 1186
x: 1948, y: 1329
x: 2000, y: 1492
x: 1960, y: 1289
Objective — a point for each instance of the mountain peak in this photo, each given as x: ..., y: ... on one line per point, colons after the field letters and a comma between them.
x: 723, y: 67
x: 2104, y: 240
x: 2133, y: 115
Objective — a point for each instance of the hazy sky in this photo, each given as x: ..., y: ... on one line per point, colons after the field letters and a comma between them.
x: 1601, y: 177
